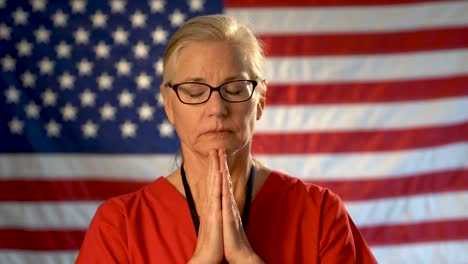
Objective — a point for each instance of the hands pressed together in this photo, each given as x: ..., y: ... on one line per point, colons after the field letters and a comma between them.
x: 221, y: 233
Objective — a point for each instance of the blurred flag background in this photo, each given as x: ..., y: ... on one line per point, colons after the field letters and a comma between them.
x: 369, y: 98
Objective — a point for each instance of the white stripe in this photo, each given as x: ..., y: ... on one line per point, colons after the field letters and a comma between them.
x: 370, y: 165
x: 410, y: 209
x: 37, y: 257
x: 353, y: 19
x: 436, y: 252
x: 81, y: 166
x: 332, y: 117
x: 77, y: 215
x: 308, y: 167
x: 413, y: 65
x: 47, y: 215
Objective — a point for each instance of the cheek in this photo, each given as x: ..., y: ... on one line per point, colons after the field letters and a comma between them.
x: 249, y: 119
x: 185, y: 121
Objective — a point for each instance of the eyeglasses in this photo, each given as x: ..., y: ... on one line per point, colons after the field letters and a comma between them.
x: 194, y: 93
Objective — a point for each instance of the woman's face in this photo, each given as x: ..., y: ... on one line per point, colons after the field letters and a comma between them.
x: 216, y: 123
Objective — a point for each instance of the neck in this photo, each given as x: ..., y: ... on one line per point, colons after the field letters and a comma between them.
x: 196, y: 168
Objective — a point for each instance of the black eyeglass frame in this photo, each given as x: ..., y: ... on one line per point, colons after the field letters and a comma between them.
x: 175, y: 86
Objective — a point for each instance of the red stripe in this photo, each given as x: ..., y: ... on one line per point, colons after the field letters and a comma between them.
x: 377, y: 235
x: 349, y: 190
x: 64, y: 190
x: 416, y: 233
x: 432, y: 182
x: 365, y: 43
x: 41, y: 240
x: 367, y: 92
x: 358, y: 141
x: 317, y: 3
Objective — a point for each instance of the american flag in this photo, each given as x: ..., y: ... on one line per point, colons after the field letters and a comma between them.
x: 369, y: 98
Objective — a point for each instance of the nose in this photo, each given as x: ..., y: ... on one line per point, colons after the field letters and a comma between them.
x: 216, y: 105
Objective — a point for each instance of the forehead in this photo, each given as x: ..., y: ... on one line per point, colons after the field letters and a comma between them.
x: 207, y: 60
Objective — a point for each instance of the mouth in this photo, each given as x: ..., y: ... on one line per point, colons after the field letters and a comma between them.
x: 218, y: 132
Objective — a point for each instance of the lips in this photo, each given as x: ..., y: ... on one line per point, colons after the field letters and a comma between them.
x: 218, y: 131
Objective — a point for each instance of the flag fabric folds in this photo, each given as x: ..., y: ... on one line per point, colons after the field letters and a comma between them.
x: 368, y: 98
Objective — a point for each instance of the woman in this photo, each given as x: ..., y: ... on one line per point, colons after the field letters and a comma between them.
x: 221, y: 205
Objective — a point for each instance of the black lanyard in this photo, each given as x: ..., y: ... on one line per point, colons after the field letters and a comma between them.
x: 193, y: 209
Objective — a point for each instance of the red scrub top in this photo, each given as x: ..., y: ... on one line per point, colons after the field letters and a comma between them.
x: 290, y: 222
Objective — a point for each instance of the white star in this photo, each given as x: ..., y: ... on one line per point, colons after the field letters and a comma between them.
x: 196, y: 5
x: 120, y: 36
x: 28, y: 79
x: 87, y: 98
x: 177, y: 18
x: 42, y: 35
x: 125, y: 98
x: 117, y: 6
x: 99, y: 19
x: 143, y: 81
x: 60, y: 18
x: 81, y: 36
x: 53, y: 128
x: 78, y: 6
x: 105, y: 81
x: 12, y: 95
x: 123, y: 67
x: 157, y: 5
x: 5, y: 32
x: 46, y: 66
x: 8, y: 63
x: 24, y: 48
x: 63, y: 50
x: 158, y: 66
x: 107, y: 112
x: 138, y: 19
x: 49, y: 98
x: 66, y: 81
x: 16, y: 126
x: 84, y: 67
x: 159, y: 98
x: 89, y: 129
x: 128, y: 129
x: 159, y: 36
x: 20, y: 17
x: 166, y: 129
x: 68, y: 112
x: 38, y: 5
x: 140, y: 50
x: 32, y: 110
x: 102, y: 50
x: 145, y: 111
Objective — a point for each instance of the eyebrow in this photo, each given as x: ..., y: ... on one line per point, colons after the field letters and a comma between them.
x: 203, y: 80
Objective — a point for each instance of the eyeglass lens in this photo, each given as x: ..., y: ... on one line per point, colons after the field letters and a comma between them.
x: 235, y: 91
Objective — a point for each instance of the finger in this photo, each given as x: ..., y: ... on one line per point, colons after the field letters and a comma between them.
x: 215, y: 182
x: 231, y: 215
x: 210, y: 239
x: 227, y: 176
x: 211, y: 217
x: 210, y: 181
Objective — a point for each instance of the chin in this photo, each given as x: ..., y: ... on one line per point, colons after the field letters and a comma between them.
x: 233, y: 148
x: 229, y: 146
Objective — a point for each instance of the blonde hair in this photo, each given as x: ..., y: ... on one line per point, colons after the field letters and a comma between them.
x: 218, y: 28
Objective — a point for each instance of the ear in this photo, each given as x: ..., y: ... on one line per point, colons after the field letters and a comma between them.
x: 260, y: 105
x: 167, y: 103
